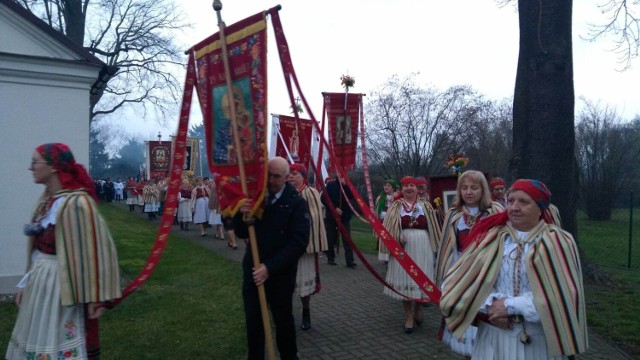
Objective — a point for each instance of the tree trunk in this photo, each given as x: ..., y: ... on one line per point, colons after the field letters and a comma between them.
x: 543, y: 105
x: 74, y: 19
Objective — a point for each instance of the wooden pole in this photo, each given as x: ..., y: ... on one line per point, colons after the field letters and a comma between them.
x: 271, y: 354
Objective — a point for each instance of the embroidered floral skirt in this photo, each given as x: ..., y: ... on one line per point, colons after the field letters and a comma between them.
x: 418, y: 247
x: 44, y: 328
x: 306, y: 275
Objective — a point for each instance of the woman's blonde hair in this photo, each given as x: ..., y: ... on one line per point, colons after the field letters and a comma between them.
x: 479, y: 178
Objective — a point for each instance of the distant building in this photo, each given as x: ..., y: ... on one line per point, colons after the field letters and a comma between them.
x: 46, y: 82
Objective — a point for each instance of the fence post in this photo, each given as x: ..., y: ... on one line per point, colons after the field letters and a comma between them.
x: 630, y: 228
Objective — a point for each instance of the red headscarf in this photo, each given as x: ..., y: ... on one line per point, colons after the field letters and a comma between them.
x: 299, y: 168
x: 496, y: 182
x: 409, y: 180
x: 534, y: 188
x: 72, y: 175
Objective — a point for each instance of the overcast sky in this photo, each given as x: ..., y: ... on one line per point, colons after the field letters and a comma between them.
x: 462, y: 42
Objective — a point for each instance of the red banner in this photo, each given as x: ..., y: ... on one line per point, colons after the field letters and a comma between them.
x: 246, y: 44
x: 296, y: 137
x: 159, y: 153
x: 344, y: 115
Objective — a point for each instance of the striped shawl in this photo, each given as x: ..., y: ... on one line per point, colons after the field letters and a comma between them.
x: 555, y: 277
x: 86, y: 254
x: 318, y: 234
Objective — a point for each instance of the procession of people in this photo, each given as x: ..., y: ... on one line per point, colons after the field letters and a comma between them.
x: 491, y: 257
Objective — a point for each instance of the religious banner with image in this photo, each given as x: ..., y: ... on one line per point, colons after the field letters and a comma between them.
x: 344, y: 116
x: 159, y: 158
x: 246, y: 44
x: 191, y: 154
x: 294, y: 139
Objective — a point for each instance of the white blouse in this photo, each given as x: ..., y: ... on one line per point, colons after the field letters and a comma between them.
x: 504, y: 286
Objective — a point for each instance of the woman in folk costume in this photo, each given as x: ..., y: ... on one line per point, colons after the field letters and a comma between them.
x: 215, y: 218
x: 199, y: 207
x: 140, y: 189
x: 185, y: 216
x: 497, y: 186
x: 383, y: 202
x: 132, y: 194
x: 413, y: 224
x: 73, y: 264
x: 151, y: 195
x: 423, y: 189
x: 472, y: 202
x: 520, y: 279
x: 308, y: 275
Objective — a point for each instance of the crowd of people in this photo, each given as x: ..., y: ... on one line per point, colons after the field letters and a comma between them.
x: 510, y: 276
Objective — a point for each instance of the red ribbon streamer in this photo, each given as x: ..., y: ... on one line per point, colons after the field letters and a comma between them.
x: 171, y: 200
x: 421, y: 279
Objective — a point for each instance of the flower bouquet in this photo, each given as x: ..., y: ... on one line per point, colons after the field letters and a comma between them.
x: 347, y: 81
x: 456, y: 163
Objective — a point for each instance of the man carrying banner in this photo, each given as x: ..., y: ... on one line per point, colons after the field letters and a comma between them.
x: 282, y: 237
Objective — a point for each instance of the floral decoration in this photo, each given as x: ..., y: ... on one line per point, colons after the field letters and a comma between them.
x: 347, y: 81
x: 456, y: 163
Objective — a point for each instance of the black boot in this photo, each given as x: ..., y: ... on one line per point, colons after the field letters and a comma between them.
x: 306, y: 319
x: 181, y: 225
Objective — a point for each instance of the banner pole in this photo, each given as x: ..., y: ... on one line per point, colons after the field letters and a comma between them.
x: 217, y: 6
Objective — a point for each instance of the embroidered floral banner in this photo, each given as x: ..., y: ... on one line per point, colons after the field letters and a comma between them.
x: 344, y: 117
x: 246, y: 44
x: 296, y: 137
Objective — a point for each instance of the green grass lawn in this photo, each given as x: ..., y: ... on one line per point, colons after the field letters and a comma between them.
x: 613, y: 309
x: 191, y: 308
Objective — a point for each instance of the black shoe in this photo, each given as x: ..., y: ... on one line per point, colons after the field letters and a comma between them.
x: 352, y: 265
x: 408, y: 330
x: 331, y: 262
x: 306, y: 319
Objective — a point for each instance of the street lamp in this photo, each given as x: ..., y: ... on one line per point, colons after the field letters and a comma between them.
x: 159, y: 136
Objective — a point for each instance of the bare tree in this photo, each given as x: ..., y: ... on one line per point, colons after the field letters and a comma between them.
x: 623, y: 23
x: 490, y: 147
x: 607, y: 150
x: 134, y: 38
x: 411, y: 130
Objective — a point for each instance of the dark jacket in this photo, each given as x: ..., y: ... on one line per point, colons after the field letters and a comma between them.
x: 282, y: 234
x: 338, y: 200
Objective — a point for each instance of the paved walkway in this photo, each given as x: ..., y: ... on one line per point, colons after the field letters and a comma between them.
x: 352, y: 319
